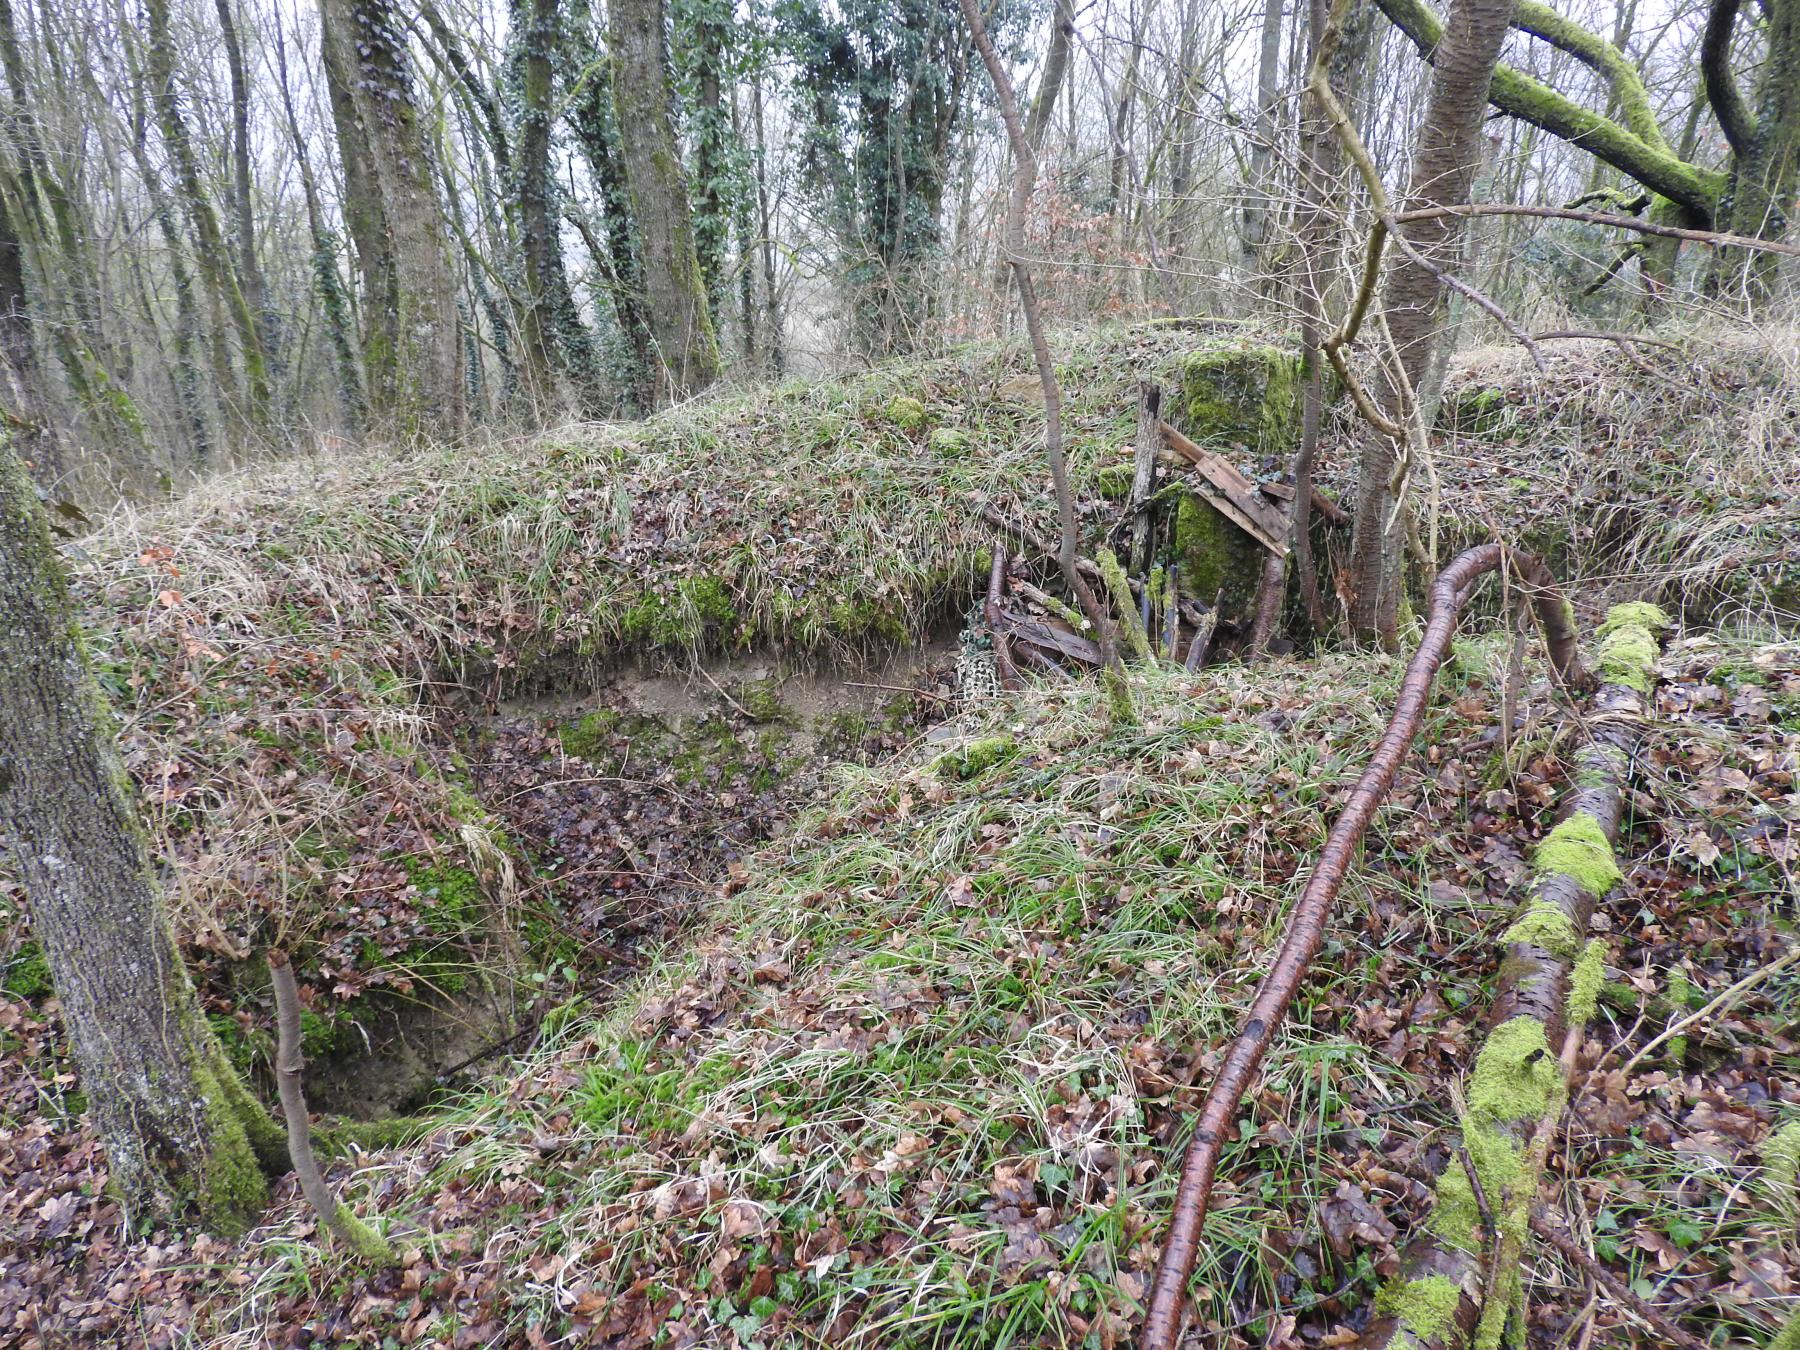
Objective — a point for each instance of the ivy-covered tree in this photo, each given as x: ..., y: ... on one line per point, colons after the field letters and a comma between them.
x: 674, y: 290
x: 880, y: 86
x: 411, y: 330
x: 555, y: 340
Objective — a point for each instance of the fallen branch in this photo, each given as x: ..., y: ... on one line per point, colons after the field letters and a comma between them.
x: 1306, y: 925
x: 289, y: 1063
x: 1453, y: 1285
x: 1714, y: 237
x: 1616, y: 1288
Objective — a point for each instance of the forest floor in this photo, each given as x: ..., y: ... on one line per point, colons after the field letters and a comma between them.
x: 914, y: 1070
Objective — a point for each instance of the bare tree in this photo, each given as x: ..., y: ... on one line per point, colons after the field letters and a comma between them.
x: 1444, y: 164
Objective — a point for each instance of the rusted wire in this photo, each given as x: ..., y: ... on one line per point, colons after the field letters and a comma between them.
x: 1306, y: 925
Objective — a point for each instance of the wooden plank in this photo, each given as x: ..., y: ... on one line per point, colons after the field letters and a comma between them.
x: 1220, y: 483
x: 1143, y: 478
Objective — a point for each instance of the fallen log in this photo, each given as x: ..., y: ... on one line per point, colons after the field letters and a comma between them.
x: 1306, y: 925
x: 1460, y: 1279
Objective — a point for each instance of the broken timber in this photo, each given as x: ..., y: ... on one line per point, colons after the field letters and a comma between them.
x: 1219, y: 483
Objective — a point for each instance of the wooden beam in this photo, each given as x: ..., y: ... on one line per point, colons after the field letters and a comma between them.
x: 1218, y: 481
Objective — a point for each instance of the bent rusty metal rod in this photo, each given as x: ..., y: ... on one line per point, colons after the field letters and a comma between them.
x: 1306, y: 925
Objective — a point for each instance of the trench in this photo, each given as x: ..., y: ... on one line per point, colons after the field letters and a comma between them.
x: 626, y: 805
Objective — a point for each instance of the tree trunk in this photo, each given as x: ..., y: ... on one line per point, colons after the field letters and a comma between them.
x: 412, y: 333
x: 590, y: 103
x: 1259, y: 200
x: 1766, y: 142
x: 674, y: 291
x: 181, y: 1132
x: 243, y: 215
x: 334, y: 304
x: 766, y: 227
x: 230, y: 310
x: 1448, y: 151
x: 551, y: 331
x: 22, y: 395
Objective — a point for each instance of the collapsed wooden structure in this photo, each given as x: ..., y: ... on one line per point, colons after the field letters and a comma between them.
x: 1160, y: 615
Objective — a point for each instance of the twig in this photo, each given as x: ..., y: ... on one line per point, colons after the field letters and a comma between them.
x: 1024, y: 180
x: 1723, y: 1001
x: 289, y: 1063
x: 896, y: 689
x: 1616, y: 1288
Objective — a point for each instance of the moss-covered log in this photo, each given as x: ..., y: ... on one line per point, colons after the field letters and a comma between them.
x: 182, y: 1134
x: 1460, y: 1284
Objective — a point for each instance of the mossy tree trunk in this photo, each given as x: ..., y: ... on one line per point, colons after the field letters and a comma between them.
x: 1460, y: 1286
x: 1444, y: 165
x: 674, y: 289
x: 551, y: 331
x: 412, y: 331
x: 182, y: 1134
x: 588, y: 96
x: 21, y: 378
x: 230, y: 309
x: 1765, y: 140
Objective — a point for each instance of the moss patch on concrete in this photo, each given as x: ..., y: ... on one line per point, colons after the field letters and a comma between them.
x: 1243, y: 394
x: 1578, y: 849
x: 1216, y: 556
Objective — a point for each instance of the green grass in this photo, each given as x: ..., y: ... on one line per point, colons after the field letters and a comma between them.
x: 917, y: 1068
x: 282, y: 636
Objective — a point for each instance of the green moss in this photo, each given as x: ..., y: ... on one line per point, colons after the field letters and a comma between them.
x: 1629, y: 644
x: 1474, y: 411
x: 1781, y: 1161
x: 1626, y: 657
x: 860, y: 618
x: 28, y: 973
x: 1515, y: 1075
x: 1242, y: 393
x: 905, y: 412
x: 1515, y: 1082
x: 1131, y: 625
x: 1585, y: 981
x: 1113, y: 481
x: 450, y: 898
x: 950, y: 442
x: 1544, y: 925
x: 232, y: 1192
x: 976, y: 758
x: 1215, y: 555
x: 1788, y: 1338
x: 1426, y: 1306
x: 1577, y: 848
x: 761, y: 702
x: 1636, y: 614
